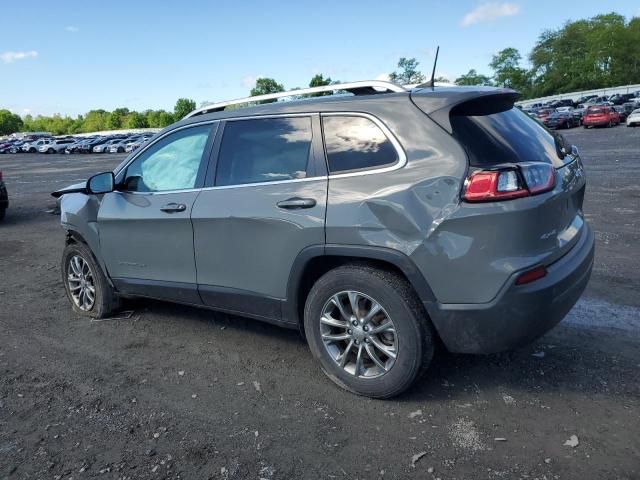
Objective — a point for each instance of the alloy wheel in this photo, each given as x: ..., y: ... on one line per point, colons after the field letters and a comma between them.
x: 358, y: 334
x: 81, y: 283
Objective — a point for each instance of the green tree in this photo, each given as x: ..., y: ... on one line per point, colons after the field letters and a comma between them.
x: 117, y: 118
x: 159, y: 118
x: 9, y: 122
x: 408, y: 73
x: 265, y: 86
x: 319, y: 80
x: 184, y: 106
x: 96, y: 121
x: 473, y: 78
x: 599, y: 52
x: 507, y: 70
x: 136, y: 120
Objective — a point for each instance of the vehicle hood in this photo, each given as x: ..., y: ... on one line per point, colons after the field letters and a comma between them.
x: 75, y: 188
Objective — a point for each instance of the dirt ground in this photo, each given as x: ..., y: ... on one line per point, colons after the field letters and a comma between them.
x: 176, y: 392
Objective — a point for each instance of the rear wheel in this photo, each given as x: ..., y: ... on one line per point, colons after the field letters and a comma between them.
x: 50, y: 150
x: 87, y: 288
x: 368, y: 330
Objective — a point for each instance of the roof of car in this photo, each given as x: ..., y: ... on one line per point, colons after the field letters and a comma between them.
x: 437, y: 98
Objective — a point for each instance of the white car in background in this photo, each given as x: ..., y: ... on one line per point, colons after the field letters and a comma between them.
x: 56, y: 146
x: 634, y: 118
x: 33, y: 147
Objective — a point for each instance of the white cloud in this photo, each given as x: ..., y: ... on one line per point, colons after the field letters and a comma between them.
x: 71, y: 29
x: 490, y: 11
x: 10, y: 57
x: 250, y: 81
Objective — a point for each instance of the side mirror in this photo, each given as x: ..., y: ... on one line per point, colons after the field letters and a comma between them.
x: 101, y: 183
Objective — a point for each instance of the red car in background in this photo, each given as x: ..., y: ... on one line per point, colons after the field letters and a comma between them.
x: 600, y: 116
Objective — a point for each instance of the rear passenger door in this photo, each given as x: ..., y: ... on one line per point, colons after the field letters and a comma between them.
x: 266, y: 203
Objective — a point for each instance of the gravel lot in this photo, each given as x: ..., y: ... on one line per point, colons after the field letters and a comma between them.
x: 176, y: 392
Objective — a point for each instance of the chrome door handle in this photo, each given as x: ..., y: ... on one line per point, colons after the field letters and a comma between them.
x: 173, y: 207
x: 296, y: 203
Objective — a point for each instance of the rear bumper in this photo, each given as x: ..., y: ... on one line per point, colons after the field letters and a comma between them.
x: 519, y: 314
x: 596, y: 123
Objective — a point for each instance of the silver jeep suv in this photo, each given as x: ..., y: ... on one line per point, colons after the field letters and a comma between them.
x: 377, y: 223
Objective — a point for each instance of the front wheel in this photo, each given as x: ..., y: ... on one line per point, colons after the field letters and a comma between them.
x: 86, y: 286
x: 368, y: 330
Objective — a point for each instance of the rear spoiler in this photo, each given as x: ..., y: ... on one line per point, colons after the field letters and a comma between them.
x: 440, y: 104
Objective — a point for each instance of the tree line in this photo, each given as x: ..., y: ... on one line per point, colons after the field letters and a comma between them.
x: 94, y: 120
x: 599, y: 52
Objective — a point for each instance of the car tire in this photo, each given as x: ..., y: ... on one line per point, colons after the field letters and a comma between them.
x: 349, y: 362
x: 80, y: 274
x: 610, y: 124
x: 50, y: 150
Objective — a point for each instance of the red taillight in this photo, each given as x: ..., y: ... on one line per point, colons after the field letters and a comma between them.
x: 498, y: 185
x: 508, y: 183
x: 531, y: 276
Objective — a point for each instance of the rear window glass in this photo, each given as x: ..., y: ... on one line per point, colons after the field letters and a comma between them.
x: 595, y: 111
x: 506, y: 137
x: 356, y: 143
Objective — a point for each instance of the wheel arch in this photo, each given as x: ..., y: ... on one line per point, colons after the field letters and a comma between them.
x: 74, y: 236
x: 316, y: 260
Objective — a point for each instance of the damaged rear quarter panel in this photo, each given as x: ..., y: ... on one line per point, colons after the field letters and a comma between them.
x: 402, y: 209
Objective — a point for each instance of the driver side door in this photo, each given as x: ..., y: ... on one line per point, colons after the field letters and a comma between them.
x: 146, y: 236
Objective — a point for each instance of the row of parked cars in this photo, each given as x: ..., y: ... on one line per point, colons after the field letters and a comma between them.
x: 593, y: 115
x: 120, y: 143
x: 588, y: 111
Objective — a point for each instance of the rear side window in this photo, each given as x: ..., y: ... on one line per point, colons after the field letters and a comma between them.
x: 356, y: 143
x: 264, y: 150
x: 510, y: 136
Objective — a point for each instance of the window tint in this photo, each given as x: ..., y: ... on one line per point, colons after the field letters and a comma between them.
x: 355, y: 143
x: 170, y: 164
x: 506, y: 137
x: 264, y: 150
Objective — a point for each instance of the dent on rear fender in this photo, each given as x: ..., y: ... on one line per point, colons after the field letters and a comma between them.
x: 404, y: 219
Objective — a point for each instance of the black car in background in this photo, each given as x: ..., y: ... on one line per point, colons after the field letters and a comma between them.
x: 4, y: 198
x: 620, y: 98
x: 567, y: 102
x: 622, y: 111
x: 559, y: 120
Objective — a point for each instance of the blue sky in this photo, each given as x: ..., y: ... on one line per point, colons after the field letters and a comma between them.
x: 72, y: 56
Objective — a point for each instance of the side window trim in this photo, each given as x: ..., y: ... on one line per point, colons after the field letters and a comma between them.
x: 402, y: 156
x: 121, y: 172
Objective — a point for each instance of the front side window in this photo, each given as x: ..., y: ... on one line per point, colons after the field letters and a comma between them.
x: 356, y: 143
x: 170, y: 164
x: 264, y: 150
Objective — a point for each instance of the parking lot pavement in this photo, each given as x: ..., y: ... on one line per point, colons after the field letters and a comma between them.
x: 176, y: 392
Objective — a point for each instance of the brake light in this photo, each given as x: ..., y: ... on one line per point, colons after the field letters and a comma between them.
x: 499, y: 185
x: 531, y: 276
x: 509, y: 183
